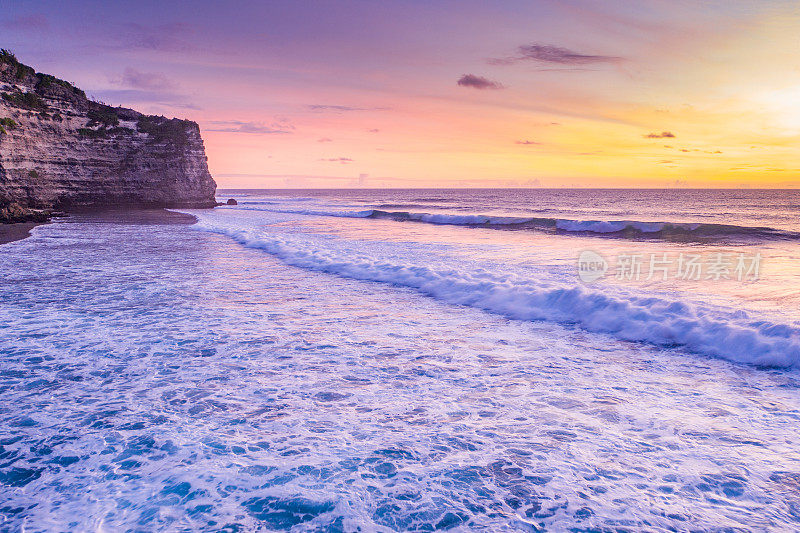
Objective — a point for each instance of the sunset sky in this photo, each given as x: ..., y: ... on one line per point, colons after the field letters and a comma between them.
x: 444, y: 93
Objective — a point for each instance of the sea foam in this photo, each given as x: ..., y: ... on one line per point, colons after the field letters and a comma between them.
x: 651, y: 319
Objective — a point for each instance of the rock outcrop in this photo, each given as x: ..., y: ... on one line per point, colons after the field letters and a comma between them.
x: 61, y: 150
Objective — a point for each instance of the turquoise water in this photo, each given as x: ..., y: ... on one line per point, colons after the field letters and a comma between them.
x: 251, y: 373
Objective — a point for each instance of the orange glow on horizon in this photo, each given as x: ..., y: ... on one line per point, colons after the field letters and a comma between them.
x: 512, y: 94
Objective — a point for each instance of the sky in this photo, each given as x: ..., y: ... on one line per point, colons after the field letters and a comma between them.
x: 407, y: 93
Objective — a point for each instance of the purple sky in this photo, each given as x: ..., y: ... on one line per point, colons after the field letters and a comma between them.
x: 428, y: 93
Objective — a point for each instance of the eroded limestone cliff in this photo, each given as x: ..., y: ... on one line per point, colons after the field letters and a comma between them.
x: 60, y: 150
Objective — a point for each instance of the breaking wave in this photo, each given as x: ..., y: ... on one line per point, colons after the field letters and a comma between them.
x: 654, y: 320
x: 613, y: 228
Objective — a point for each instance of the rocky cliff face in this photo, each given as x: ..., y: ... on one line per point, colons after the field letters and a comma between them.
x: 60, y: 150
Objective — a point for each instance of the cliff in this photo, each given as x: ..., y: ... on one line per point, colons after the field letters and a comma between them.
x: 61, y: 150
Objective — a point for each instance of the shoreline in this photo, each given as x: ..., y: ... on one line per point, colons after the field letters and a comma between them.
x: 17, y: 231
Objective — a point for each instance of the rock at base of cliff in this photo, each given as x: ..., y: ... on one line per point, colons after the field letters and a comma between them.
x: 231, y: 201
x: 15, y: 213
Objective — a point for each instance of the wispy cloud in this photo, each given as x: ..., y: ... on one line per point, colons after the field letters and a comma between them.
x: 146, y: 87
x: 150, y: 81
x: 27, y: 22
x: 549, y: 54
x: 342, y: 108
x: 478, y: 82
x: 662, y: 135
x: 342, y: 160
x: 237, y: 126
x: 161, y: 37
x: 325, y: 140
x: 325, y: 107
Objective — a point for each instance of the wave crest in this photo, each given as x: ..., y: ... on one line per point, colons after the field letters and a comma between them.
x: 653, y: 320
x: 613, y: 228
x: 631, y: 228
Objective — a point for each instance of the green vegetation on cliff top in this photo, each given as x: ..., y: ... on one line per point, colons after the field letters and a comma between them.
x: 103, y: 119
x: 162, y: 129
x: 20, y: 70
x: 105, y: 115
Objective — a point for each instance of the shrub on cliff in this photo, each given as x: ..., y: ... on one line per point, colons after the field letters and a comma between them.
x: 119, y: 131
x: 46, y: 81
x: 102, y: 133
x: 20, y: 70
x: 25, y: 101
x: 105, y: 115
x: 7, y: 124
x: 161, y: 129
x: 6, y: 56
x: 92, y: 134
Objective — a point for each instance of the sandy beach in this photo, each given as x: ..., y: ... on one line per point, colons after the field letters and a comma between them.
x: 15, y: 232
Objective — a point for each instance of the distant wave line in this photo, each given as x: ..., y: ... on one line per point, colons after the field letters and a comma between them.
x: 612, y: 228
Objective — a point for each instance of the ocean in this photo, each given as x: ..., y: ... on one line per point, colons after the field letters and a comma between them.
x: 393, y: 360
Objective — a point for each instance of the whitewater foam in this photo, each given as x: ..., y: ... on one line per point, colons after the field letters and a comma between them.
x: 651, y: 319
x: 209, y: 386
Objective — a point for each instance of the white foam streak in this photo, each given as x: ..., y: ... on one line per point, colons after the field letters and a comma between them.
x: 653, y: 320
x: 600, y: 226
x: 465, y: 220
